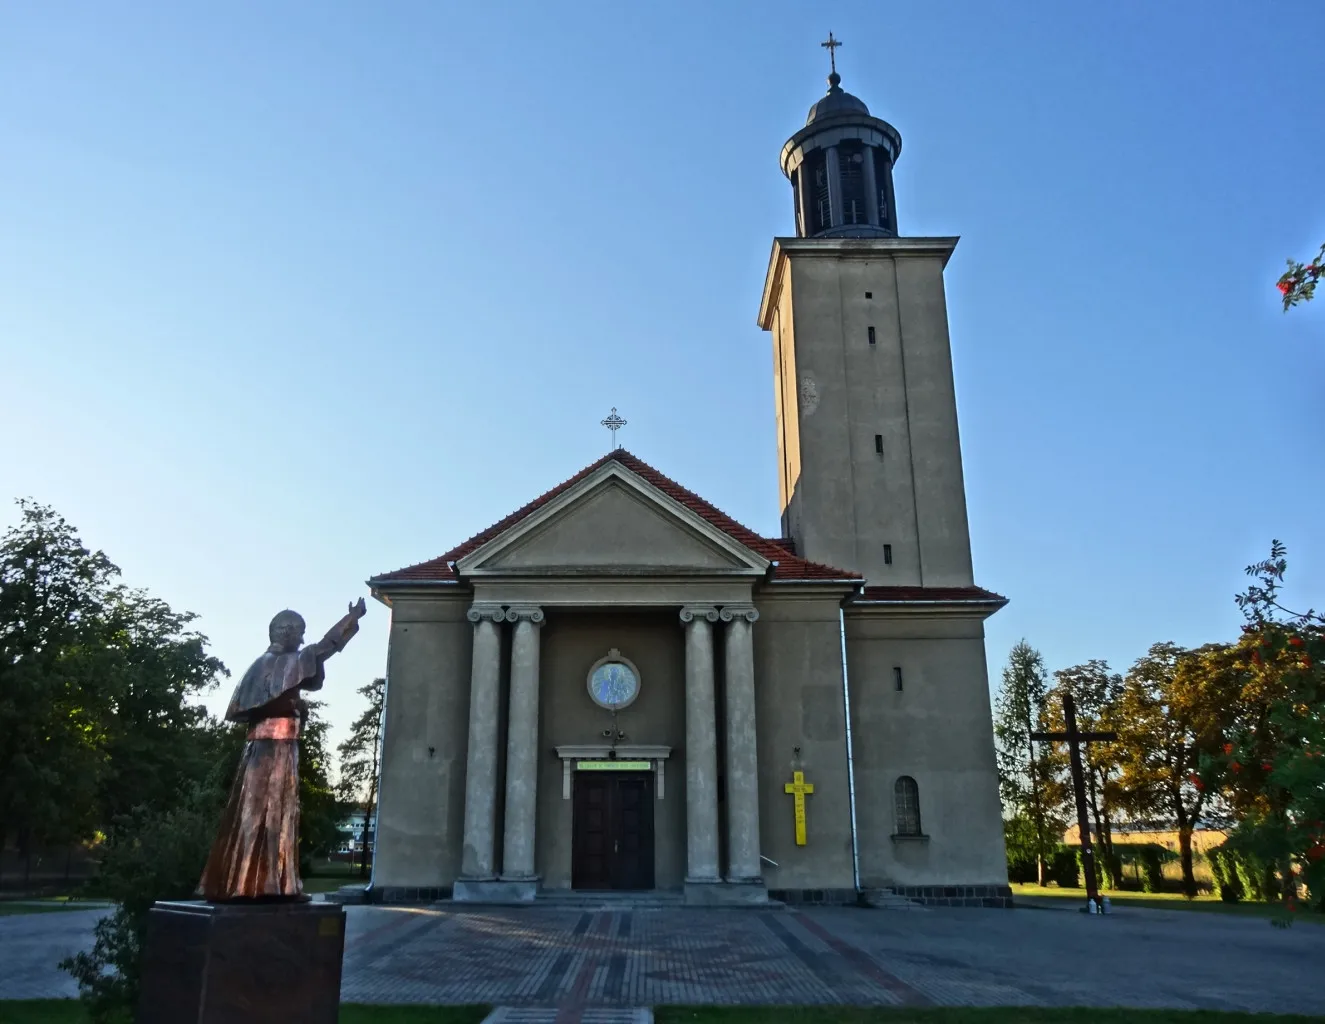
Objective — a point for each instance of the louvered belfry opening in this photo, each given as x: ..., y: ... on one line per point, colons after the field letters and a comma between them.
x: 851, y: 156
x: 815, y: 171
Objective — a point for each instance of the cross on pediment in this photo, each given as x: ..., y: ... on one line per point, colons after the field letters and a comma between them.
x: 613, y: 422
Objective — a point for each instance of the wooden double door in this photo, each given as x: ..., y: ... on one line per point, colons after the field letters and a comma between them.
x: 612, y: 831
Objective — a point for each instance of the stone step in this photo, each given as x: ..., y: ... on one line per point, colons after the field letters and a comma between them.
x: 886, y: 899
x: 347, y: 894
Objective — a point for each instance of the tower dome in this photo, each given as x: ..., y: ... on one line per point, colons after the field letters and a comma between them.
x: 840, y: 166
x: 838, y: 101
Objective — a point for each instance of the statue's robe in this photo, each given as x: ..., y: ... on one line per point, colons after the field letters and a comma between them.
x: 256, y: 852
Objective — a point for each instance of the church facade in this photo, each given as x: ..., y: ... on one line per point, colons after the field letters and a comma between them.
x: 618, y: 687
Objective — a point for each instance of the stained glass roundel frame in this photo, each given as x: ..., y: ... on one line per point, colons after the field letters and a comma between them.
x: 613, y: 682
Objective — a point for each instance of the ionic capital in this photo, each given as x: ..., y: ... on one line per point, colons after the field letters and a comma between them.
x: 701, y: 611
x: 748, y: 612
x: 526, y: 612
x: 485, y: 612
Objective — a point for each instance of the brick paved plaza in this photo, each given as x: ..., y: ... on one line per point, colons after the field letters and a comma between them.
x: 637, y: 958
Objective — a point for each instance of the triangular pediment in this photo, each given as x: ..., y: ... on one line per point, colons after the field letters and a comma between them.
x: 612, y: 522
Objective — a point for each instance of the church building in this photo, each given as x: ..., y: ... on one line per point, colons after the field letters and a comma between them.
x: 618, y: 687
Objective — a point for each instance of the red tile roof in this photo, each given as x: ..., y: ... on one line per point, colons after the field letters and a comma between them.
x: 932, y: 594
x: 789, y: 567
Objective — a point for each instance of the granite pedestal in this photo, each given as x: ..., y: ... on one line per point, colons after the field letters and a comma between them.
x: 259, y: 963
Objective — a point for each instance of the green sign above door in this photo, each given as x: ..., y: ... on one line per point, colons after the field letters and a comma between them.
x: 613, y: 766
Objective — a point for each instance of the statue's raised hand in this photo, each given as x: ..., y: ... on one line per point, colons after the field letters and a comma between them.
x: 359, y: 610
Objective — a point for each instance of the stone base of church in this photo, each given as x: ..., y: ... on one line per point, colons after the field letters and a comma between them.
x: 498, y: 890
x: 725, y: 894
x: 999, y: 896
x: 407, y: 893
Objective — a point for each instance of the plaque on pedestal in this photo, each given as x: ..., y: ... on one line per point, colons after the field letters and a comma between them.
x: 256, y: 963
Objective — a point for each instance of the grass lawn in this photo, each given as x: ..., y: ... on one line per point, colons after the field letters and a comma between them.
x: 328, y: 876
x: 8, y: 909
x: 954, y: 1015
x: 1163, y: 901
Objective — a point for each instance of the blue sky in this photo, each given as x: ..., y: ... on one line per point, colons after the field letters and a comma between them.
x: 296, y: 293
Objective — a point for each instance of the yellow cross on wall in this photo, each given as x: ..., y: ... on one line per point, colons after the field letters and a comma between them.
x: 799, y: 789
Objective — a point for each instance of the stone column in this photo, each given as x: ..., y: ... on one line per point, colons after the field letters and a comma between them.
x: 804, y: 197
x: 888, y: 217
x: 742, y: 762
x: 481, y: 765
x: 522, y: 747
x: 701, y: 751
x: 833, y: 168
x: 871, y: 187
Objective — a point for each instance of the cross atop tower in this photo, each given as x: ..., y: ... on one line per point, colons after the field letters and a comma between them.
x: 831, y: 46
x: 613, y: 423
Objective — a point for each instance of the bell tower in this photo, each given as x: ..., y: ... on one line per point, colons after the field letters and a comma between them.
x: 869, y: 452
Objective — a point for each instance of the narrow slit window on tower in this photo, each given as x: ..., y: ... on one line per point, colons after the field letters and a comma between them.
x: 887, y: 554
x: 897, y: 677
x: 870, y: 330
x: 878, y: 443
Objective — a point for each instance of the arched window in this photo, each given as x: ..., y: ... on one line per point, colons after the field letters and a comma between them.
x: 906, y: 806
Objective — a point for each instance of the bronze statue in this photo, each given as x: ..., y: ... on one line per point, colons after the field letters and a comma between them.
x: 256, y: 853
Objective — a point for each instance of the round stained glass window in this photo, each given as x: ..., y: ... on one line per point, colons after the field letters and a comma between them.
x: 613, y: 682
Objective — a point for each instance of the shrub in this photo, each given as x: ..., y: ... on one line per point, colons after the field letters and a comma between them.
x: 1147, y: 860
x: 150, y: 857
x: 1064, y: 868
x: 1223, y: 865
x: 1022, y: 870
x: 1152, y: 863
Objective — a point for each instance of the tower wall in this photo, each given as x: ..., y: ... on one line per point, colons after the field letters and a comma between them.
x: 840, y: 398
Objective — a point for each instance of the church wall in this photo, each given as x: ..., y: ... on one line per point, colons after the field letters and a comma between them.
x: 571, y: 642
x: 823, y: 499
x: 798, y: 703
x: 937, y: 730
x: 940, y: 491
x: 425, y: 741
x: 787, y: 408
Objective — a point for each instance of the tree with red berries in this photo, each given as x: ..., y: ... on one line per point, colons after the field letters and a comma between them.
x: 1298, y: 283
x: 1271, y: 766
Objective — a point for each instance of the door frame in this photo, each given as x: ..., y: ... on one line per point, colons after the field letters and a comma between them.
x: 614, y: 824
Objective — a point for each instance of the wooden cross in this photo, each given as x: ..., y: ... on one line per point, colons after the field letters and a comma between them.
x: 799, y: 789
x: 1074, y: 740
x: 831, y: 45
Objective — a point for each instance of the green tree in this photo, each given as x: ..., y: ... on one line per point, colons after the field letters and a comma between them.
x: 151, y: 666
x: 52, y: 744
x: 1271, y: 767
x: 359, y: 756
x: 1096, y: 692
x: 1298, y: 282
x: 1172, y: 713
x: 320, y: 810
x: 1022, y: 775
x: 95, y: 688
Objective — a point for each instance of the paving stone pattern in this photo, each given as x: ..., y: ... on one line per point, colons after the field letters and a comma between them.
x: 575, y: 958
x: 581, y: 963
